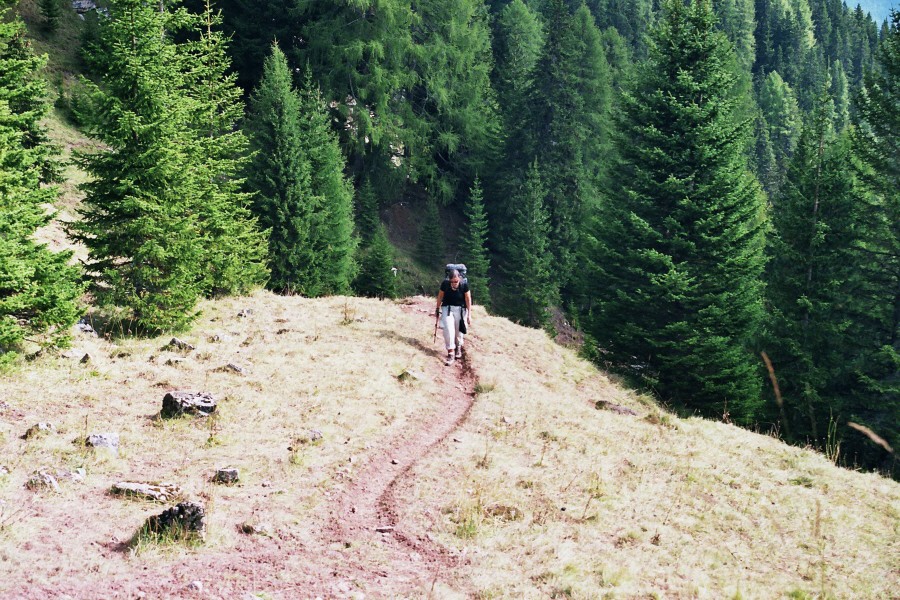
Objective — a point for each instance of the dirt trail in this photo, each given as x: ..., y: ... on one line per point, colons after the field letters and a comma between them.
x: 355, y: 544
x: 366, y: 511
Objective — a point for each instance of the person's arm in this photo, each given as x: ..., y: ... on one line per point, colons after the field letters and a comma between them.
x: 469, y: 307
x: 440, y: 299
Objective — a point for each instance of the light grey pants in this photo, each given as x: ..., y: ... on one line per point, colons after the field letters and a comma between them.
x: 451, y: 317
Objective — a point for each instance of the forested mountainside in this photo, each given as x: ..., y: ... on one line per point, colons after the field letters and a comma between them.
x: 707, y: 189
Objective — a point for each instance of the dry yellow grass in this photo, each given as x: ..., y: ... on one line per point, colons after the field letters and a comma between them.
x: 540, y: 493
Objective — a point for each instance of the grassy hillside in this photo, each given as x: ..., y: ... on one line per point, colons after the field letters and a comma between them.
x: 497, y: 478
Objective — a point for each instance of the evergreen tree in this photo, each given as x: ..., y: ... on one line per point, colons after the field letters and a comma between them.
x: 454, y: 125
x: 39, y: 291
x: 376, y: 276
x: 568, y: 104
x: 811, y: 280
x: 518, y: 41
x: 474, y: 247
x: 280, y: 176
x: 529, y: 291
x: 779, y: 108
x: 332, y: 239
x: 235, y: 250
x: 367, y: 213
x: 876, y: 402
x: 52, y: 12
x: 680, y: 250
x: 430, y: 249
x: 139, y: 218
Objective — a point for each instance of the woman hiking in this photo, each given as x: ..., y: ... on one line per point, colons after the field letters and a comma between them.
x: 454, y: 303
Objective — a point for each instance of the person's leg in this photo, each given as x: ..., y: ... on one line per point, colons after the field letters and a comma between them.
x: 450, y: 327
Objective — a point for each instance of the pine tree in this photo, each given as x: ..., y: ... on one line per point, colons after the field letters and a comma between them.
x: 680, y: 250
x: 779, y: 108
x: 333, y: 239
x: 474, y: 247
x: 811, y: 281
x: 52, y: 12
x: 280, y: 176
x: 139, y: 218
x: 876, y: 402
x: 39, y: 291
x: 367, y: 213
x: 376, y: 276
x: 430, y: 249
x: 568, y: 106
x: 529, y: 290
x: 235, y: 251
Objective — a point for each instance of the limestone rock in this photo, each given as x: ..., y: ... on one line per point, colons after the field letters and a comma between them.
x: 81, y: 7
x: 42, y: 480
x: 227, y: 476
x: 158, y: 492
x: 38, y: 429
x: 178, y: 403
x: 103, y: 441
x: 179, y: 345
x: 184, y: 521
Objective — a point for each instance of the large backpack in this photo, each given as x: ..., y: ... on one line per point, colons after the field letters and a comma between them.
x: 459, y: 267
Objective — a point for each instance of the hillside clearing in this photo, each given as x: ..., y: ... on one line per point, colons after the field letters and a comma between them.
x: 535, y: 494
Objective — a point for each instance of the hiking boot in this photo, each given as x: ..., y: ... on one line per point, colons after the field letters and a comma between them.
x: 450, y: 360
x: 458, y: 353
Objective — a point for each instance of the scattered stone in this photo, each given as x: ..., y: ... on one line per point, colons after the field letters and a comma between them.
x: 76, y: 476
x: 219, y: 337
x: 245, y: 312
x: 506, y: 421
x: 616, y: 408
x: 457, y: 440
x: 503, y: 512
x: 158, y: 492
x: 38, y: 430
x: 232, y: 368
x: 184, y: 520
x: 179, y: 403
x: 252, y: 528
x: 174, y: 361
x: 409, y: 375
x: 69, y: 354
x: 86, y: 359
x: 42, y: 480
x: 4, y: 470
x: 394, y: 461
x: 83, y: 326
x: 196, y: 586
x: 104, y: 441
x: 179, y: 344
x: 228, y: 476
x: 384, y: 528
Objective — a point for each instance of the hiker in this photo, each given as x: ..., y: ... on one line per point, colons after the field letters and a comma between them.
x: 454, y: 306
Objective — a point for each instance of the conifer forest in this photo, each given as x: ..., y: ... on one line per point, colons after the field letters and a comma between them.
x: 708, y: 190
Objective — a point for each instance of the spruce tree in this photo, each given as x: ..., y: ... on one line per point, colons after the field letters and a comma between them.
x: 52, y: 12
x: 812, y: 280
x: 333, y: 239
x: 39, y: 290
x: 528, y: 290
x: 680, y: 245
x: 474, y: 250
x: 430, y: 248
x: 280, y: 177
x: 876, y: 402
x: 376, y: 276
x: 235, y: 251
x: 568, y: 105
x: 139, y: 219
x: 367, y: 213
